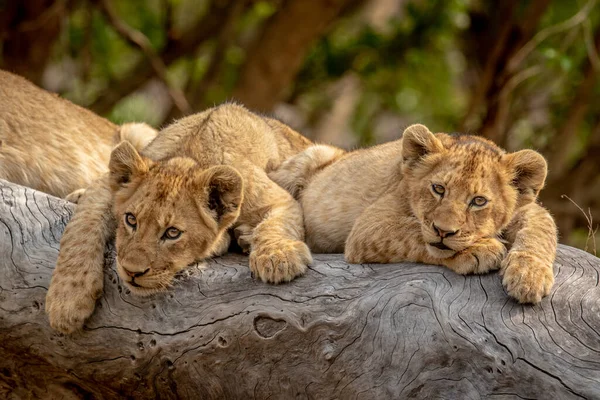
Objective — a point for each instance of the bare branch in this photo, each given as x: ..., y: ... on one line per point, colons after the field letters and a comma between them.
x: 55, y: 10
x: 196, y: 91
x: 174, y: 49
x: 590, y: 46
x: 542, y: 35
x: 139, y: 40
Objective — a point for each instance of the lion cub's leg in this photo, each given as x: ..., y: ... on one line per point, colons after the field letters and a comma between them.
x: 384, y: 234
x: 77, y: 280
x: 527, y: 271
x: 295, y: 173
x: 277, y: 250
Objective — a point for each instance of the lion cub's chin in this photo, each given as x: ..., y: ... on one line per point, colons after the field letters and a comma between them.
x: 142, y: 291
x: 438, y: 252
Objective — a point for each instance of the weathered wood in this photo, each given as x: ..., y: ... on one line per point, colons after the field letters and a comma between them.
x: 341, y: 331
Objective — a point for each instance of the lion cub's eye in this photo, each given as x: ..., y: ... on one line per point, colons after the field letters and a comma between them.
x: 130, y: 220
x: 479, y: 201
x: 172, y: 233
x: 439, y: 189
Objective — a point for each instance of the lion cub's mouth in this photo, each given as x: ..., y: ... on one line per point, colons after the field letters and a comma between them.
x: 440, y: 245
x: 133, y: 283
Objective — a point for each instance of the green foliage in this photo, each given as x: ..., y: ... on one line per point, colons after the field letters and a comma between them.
x: 411, y: 66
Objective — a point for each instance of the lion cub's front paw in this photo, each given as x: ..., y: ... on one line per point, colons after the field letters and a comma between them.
x: 280, y: 261
x: 484, y: 256
x: 243, y: 235
x: 69, y: 303
x: 526, y: 278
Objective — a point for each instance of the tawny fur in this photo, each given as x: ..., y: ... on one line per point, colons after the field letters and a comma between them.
x: 202, y: 175
x: 379, y: 205
x: 50, y: 144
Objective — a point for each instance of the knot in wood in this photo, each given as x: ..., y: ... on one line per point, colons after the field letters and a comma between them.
x: 268, y: 327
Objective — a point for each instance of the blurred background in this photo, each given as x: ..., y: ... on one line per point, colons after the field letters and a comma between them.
x: 524, y: 73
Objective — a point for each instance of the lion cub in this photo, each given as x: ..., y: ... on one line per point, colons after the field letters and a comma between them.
x: 172, y: 204
x: 50, y: 144
x: 437, y: 199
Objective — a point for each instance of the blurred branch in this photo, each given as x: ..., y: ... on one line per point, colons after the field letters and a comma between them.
x: 277, y: 54
x: 86, y: 49
x: 139, y: 40
x: 174, y: 49
x: 224, y: 41
x: 28, y: 31
x: 504, y: 99
x: 588, y: 36
x: 491, y: 88
x: 196, y: 91
x: 168, y: 18
x: 570, y: 23
x: 567, y: 134
x: 505, y: 13
x: 55, y: 10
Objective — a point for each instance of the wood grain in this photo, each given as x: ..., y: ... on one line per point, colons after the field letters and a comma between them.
x: 341, y: 331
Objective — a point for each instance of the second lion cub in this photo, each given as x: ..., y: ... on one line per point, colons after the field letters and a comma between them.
x: 432, y: 198
x: 172, y: 204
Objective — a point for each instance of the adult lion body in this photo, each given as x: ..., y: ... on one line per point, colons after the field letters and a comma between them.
x: 50, y: 144
x: 437, y: 199
x: 173, y: 205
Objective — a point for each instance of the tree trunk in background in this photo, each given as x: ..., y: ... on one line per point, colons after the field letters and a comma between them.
x: 276, y: 56
x: 562, y: 143
x: 578, y: 181
x: 512, y: 35
x: 28, y: 30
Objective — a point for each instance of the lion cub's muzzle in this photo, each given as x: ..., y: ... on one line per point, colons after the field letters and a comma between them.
x: 138, y: 279
x: 443, y: 241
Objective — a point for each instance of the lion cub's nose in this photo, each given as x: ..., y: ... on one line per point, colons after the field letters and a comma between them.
x: 136, y: 273
x: 443, y: 233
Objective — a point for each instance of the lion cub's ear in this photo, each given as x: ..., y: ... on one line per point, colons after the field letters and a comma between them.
x: 224, y: 189
x: 529, y: 170
x: 125, y: 163
x: 418, y: 142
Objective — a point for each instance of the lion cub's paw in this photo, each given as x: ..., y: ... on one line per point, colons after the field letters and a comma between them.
x: 69, y: 303
x: 484, y: 256
x: 74, y: 196
x: 243, y: 235
x: 526, y: 278
x: 280, y: 261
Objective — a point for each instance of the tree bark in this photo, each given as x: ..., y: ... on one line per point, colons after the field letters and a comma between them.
x: 277, y: 55
x: 341, y: 331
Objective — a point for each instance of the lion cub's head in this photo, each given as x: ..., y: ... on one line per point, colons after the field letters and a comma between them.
x: 464, y: 188
x: 170, y: 214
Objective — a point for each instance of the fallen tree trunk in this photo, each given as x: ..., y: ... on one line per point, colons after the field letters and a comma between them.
x: 341, y: 331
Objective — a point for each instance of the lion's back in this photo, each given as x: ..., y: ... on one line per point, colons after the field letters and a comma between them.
x: 47, y: 142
